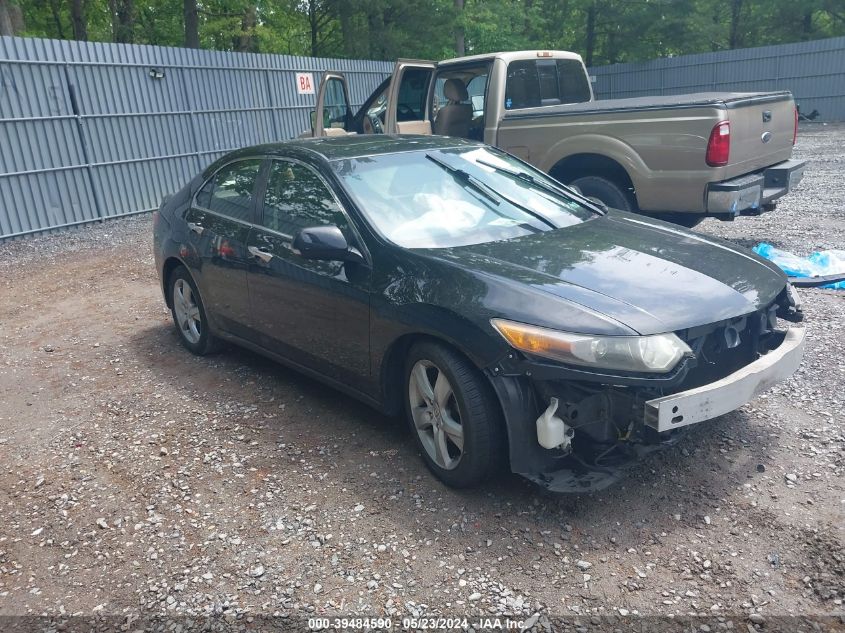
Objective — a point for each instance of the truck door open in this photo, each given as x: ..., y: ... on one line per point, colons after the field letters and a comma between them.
x: 332, y: 116
x: 408, y: 98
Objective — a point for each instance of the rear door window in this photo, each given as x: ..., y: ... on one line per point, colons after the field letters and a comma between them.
x: 533, y: 83
x: 231, y: 191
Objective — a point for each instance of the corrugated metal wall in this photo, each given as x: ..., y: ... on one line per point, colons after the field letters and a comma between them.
x: 813, y: 71
x: 87, y: 133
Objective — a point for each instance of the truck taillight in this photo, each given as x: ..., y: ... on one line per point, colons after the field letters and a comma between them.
x: 719, y: 145
x: 795, y: 128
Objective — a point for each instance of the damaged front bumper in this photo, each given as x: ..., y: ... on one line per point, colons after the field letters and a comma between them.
x: 731, y: 392
x: 632, y: 418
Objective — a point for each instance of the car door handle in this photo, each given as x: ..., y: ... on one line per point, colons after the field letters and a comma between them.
x: 196, y: 228
x: 264, y: 256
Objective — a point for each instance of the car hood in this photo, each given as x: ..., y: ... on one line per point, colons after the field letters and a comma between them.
x: 649, y: 276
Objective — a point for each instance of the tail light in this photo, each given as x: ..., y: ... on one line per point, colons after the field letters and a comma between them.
x: 719, y: 145
x: 795, y: 128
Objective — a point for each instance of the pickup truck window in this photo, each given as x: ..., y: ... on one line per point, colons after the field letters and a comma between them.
x: 541, y: 82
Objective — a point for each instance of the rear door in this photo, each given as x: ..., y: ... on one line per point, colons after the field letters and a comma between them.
x: 408, y: 98
x: 219, y: 221
x: 313, y: 312
x: 333, y: 115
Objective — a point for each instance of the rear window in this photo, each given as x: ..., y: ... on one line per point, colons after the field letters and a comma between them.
x: 539, y: 82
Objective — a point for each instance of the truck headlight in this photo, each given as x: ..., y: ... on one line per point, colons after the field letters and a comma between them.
x: 658, y: 353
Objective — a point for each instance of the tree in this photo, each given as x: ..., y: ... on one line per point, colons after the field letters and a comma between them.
x: 123, y: 20
x: 10, y: 18
x: 460, y: 43
x: 79, y: 19
x: 191, y: 16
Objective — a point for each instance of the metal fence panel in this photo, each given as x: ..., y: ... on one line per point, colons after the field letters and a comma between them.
x: 91, y: 130
x: 813, y: 71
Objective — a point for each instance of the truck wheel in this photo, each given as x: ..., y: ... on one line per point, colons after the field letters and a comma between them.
x: 607, y: 191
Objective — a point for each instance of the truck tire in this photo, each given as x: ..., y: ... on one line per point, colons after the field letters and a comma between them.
x: 607, y: 191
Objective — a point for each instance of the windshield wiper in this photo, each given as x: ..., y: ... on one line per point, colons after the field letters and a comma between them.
x: 486, y: 190
x: 467, y: 179
x: 556, y: 191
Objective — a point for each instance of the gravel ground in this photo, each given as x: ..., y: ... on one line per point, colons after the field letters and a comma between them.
x: 139, y: 480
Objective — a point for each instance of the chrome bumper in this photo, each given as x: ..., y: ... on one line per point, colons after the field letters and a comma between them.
x: 750, y: 193
x: 729, y: 393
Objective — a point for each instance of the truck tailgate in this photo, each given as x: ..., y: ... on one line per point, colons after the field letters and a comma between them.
x: 762, y: 126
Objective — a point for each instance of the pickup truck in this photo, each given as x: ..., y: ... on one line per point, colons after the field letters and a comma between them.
x: 681, y: 158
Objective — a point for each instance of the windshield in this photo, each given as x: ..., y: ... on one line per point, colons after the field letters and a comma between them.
x: 450, y: 197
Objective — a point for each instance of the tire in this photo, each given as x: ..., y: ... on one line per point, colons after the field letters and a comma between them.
x: 189, y: 314
x: 688, y: 220
x: 607, y: 191
x: 464, y: 403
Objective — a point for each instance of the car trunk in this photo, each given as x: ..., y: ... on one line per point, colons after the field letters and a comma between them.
x: 762, y: 127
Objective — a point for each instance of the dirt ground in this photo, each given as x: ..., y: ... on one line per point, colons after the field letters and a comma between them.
x: 138, y: 480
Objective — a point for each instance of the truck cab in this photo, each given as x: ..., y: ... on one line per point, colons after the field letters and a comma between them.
x: 678, y: 157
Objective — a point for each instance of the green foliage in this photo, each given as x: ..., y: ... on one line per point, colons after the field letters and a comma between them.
x: 604, y: 31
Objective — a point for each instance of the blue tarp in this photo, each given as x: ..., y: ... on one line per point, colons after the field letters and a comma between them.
x: 818, y: 264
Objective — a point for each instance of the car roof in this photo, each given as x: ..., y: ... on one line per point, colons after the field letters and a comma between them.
x: 353, y: 146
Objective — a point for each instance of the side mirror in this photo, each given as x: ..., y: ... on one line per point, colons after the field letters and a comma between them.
x: 326, y: 243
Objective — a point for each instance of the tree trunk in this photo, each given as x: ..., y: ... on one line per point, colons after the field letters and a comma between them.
x: 192, y: 24
x: 590, y: 43
x: 57, y: 19
x: 313, y: 25
x: 734, y: 37
x: 347, y: 31
x: 460, y: 43
x: 79, y: 19
x: 246, y: 40
x: 807, y: 25
x: 123, y: 21
x: 7, y: 27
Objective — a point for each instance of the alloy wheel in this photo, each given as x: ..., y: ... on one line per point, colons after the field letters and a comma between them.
x: 437, y: 418
x: 187, y: 311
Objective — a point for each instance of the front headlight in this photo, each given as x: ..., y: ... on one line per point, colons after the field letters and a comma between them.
x: 658, y: 353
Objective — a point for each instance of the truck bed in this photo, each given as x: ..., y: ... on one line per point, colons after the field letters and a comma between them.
x: 642, y: 104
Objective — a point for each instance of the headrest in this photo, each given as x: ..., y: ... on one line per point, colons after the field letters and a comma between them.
x: 455, y: 90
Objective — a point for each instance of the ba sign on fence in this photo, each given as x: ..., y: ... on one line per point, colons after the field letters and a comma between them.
x: 305, y: 83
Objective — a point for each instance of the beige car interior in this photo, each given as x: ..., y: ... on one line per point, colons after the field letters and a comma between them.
x: 414, y: 127
x: 455, y: 117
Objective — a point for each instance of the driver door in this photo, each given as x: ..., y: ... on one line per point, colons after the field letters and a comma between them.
x: 333, y: 115
x: 408, y: 98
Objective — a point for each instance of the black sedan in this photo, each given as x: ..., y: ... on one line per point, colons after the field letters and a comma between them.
x: 516, y: 323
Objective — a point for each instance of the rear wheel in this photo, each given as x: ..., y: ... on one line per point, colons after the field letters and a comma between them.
x: 189, y: 314
x: 613, y: 195
x: 454, y: 416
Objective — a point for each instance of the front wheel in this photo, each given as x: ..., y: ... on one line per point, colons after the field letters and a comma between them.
x: 613, y: 195
x: 454, y: 416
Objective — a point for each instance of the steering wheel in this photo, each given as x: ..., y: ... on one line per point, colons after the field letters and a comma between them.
x: 373, y: 122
